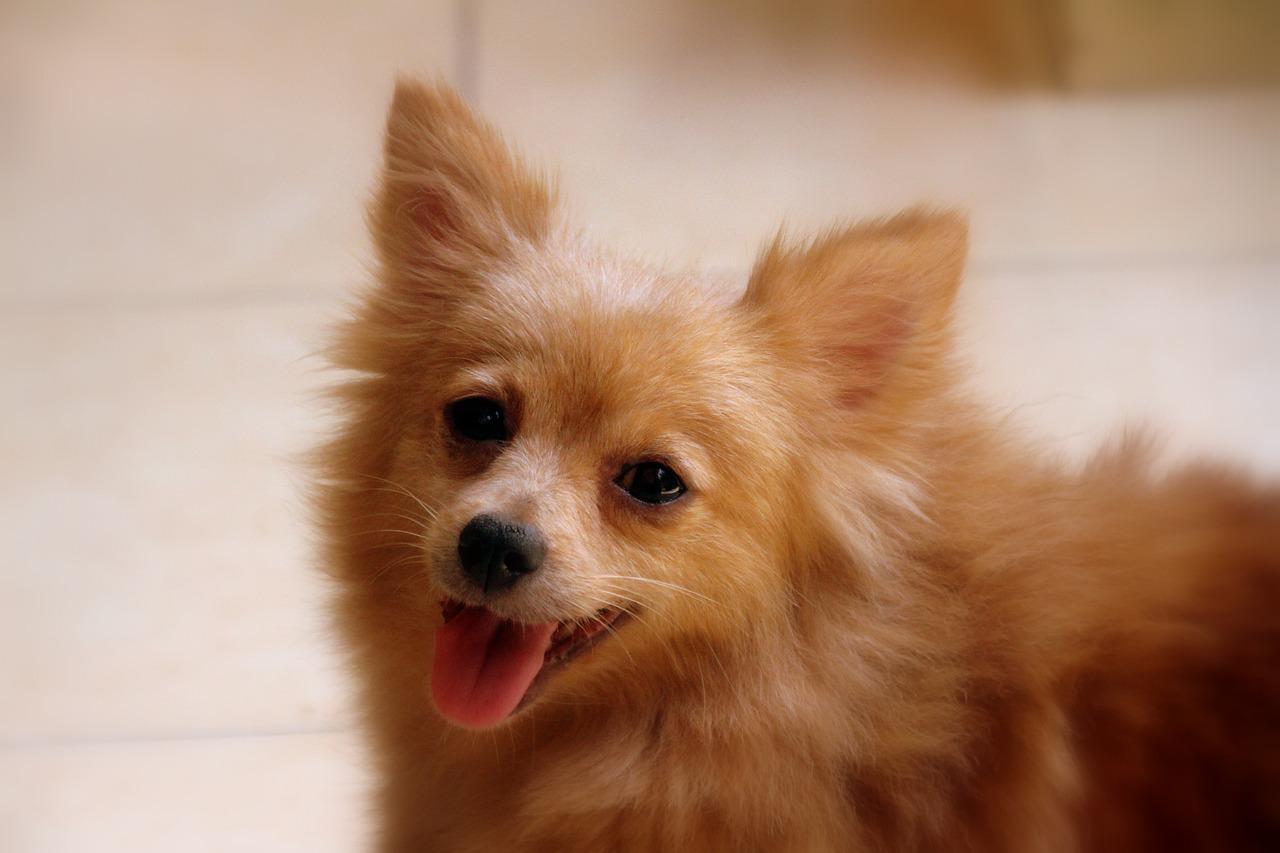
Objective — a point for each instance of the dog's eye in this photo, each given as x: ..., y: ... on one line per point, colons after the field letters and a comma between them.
x: 478, y: 418
x: 651, y: 482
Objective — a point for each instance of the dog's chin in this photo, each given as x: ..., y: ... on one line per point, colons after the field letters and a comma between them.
x: 488, y: 668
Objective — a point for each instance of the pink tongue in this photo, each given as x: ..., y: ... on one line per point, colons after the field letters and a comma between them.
x: 484, y: 665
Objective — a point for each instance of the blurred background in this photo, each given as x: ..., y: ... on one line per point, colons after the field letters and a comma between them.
x: 181, y: 192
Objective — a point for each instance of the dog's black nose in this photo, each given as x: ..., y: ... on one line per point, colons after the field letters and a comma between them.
x: 495, y: 553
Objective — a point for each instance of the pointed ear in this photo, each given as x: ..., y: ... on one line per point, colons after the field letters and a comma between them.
x: 452, y: 197
x: 866, y: 309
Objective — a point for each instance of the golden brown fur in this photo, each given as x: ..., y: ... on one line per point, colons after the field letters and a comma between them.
x: 896, y: 627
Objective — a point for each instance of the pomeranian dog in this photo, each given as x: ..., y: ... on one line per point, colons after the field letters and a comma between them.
x: 629, y: 560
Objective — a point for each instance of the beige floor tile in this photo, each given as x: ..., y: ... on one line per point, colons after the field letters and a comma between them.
x: 205, y: 145
x: 1168, y: 178
x: 157, y: 567
x: 256, y: 795
x: 693, y: 128
x: 1076, y: 355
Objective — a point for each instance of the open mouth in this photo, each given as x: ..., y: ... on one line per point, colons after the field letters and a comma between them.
x: 487, y: 667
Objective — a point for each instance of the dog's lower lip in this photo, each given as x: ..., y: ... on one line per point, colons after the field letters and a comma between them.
x: 451, y: 607
x: 572, y: 638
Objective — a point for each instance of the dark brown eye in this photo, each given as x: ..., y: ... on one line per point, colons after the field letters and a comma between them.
x: 651, y: 483
x: 478, y: 419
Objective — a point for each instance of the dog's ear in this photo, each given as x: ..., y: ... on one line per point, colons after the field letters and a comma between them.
x: 865, y: 309
x: 452, y: 198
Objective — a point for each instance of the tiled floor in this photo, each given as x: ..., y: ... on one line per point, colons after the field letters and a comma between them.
x: 180, y: 215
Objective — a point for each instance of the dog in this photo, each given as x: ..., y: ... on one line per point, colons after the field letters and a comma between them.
x: 626, y: 559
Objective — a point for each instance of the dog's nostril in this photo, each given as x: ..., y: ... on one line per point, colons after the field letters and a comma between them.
x: 494, y: 553
x: 471, y: 551
x: 515, y: 563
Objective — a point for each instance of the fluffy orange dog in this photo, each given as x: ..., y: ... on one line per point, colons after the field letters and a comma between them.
x: 629, y: 562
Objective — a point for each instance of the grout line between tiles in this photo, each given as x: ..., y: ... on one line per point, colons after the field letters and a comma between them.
x: 1102, y: 264
x: 202, y: 298
x: 78, y: 741
x: 340, y: 295
x: 467, y: 35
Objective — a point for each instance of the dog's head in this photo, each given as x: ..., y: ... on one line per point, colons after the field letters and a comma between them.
x: 556, y: 450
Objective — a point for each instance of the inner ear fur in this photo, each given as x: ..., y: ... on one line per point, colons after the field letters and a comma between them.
x: 452, y: 196
x: 867, y: 307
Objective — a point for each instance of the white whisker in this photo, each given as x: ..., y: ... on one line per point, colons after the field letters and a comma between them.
x: 399, y: 489
x: 418, y: 537
x: 664, y: 584
x: 401, y: 515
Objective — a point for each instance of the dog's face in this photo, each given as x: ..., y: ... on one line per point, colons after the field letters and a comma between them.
x: 595, y: 455
x: 591, y: 459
